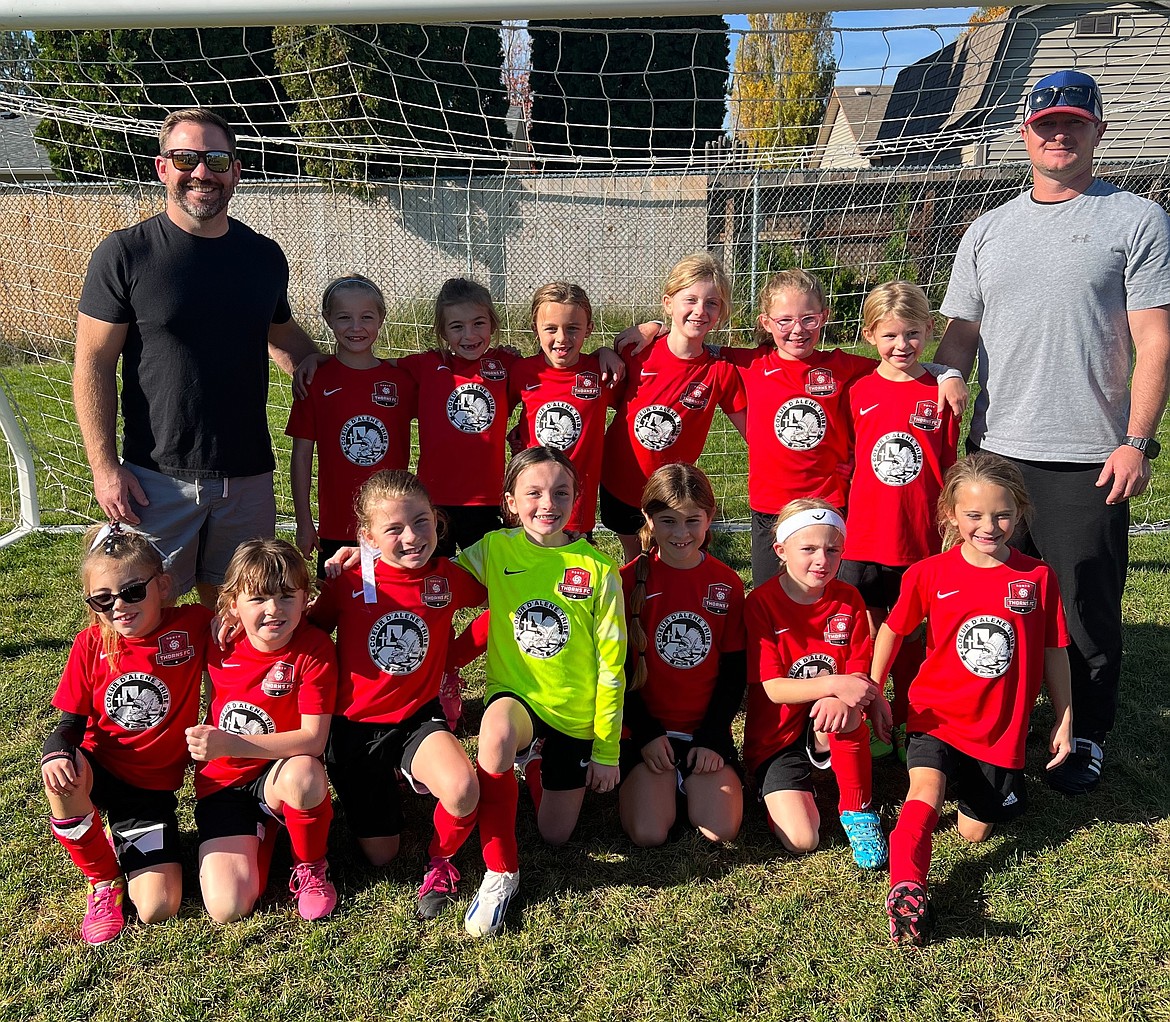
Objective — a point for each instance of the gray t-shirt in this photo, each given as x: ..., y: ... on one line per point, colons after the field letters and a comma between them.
x: 1050, y: 286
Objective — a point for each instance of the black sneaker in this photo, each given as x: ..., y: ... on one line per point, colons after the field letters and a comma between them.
x: 1081, y: 772
x: 911, y: 919
x: 439, y: 888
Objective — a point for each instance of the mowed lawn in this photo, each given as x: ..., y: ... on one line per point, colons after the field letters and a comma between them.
x: 1063, y: 916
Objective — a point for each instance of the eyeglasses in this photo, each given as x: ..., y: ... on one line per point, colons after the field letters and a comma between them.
x: 1085, y: 97
x: 807, y: 322
x: 218, y: 161
x: 103, y: 603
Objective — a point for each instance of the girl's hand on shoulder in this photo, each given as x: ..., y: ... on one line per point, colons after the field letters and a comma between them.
x: 882, y: 718
x: 829, y: 715
x: 613, y: 369
x: 704, y: 761
x: 305, y: 371
x: 601, y: 778
x: 856, y: 691
x: 59, y: 775
x: 640, y: 336
x: 206, y: 743
x: 346, y: 557
x: 658, y: 755
x: 955, y: 393
x: 224, y: 629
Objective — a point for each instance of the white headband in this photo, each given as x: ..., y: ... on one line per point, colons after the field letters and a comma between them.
x: 803, y: 519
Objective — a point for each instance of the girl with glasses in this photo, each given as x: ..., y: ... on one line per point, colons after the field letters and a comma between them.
x: 128, y: 692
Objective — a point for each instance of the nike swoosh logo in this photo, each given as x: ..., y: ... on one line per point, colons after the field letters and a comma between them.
x: 651, y: 596
x: 532, y: 386
x: 514, y: 571
x: 356, y: 593
x: 942, y: 596
x: 645, y: 375
x: 585, y: 763
x: 335, y: 390
x: 101, y: 656
x: 778, y: 369
x: 781, y: 631
x: 226, y: 664
x: 866, y: 411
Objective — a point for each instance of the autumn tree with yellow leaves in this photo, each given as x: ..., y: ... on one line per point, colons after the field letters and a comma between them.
x: 784, y: 70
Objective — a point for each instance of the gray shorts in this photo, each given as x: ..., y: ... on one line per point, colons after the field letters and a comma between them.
x: 201, y: 523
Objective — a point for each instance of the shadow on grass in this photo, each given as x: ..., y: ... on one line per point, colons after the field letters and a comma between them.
x: 16, y: 650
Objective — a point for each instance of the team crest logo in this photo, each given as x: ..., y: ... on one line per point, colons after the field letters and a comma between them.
x: 1021, y: 596
x: 656, y: 427
x: 240, y: 718
x: 683, y: 639
x: 812, y: 665
x: 137, y: 701
x: 398, y: 642
x: 696, y: 396
x: 986, y: 645
x: 718, y: 598
x: 820, y: 383
x: 492, y: 369
x: 926, y: 415
x: 279, y: 679
x: 385, y: 394
x: 541, y: 629
x: 837, y: 629
x: 558, y: 425
x: 174, y: 648
x: 800, y: 424
x: 471, y: 408
x: 436, y: 592
x: 576, y: 584
x: 364, y: 440
x: 896, y: 459
x: 587, y: 386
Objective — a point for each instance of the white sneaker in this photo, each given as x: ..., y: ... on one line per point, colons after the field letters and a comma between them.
x: 485, y: 917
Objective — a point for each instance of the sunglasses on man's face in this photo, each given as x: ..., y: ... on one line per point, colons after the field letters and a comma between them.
x: 1083, y: 96
x: 103, y: 603
x: 218, y: 161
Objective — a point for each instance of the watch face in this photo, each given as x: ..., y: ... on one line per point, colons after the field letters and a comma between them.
x: 1147, y: 445
x: 1153, y: 449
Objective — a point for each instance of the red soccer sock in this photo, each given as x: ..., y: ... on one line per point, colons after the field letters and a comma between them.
x: 911, y: 842
x: 308, y: 830
x: 498, y: 795
x: 534, y: 779
x: 450, y: 832
x: 853, y: 769
x: 264, y: 852
x: 469, y: 644
x: 85, y: 840
x: 905, y: 669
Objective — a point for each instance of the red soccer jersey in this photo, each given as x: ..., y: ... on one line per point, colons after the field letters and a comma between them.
x: 798, y: 435
x: 462, y: 425
x: 691, y: 616
x: 139, y: 714
x: 786, y: 639
x: 255, y: 693
x: 986, y: 633
x: 904, y: 441
x: 391, y: 653
x: 565, y: 409
x: 360, y: 422
x: 665, y: 415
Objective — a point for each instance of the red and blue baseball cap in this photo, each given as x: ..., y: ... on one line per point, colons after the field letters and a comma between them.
x: 1064, y: 92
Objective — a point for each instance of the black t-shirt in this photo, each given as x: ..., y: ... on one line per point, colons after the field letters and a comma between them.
x: 195, y: 362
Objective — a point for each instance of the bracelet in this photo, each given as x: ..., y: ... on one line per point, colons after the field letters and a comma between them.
x: 50, y: 757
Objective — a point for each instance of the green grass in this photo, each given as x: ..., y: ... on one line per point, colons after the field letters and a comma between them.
x: 1064, y: 915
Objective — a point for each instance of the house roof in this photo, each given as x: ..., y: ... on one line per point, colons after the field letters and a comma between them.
x: 20, y: 155
x: 862, y: 108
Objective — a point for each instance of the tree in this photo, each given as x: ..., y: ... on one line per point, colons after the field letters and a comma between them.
x: 377, y: 101
x: 982, y: 15
x: 783, y: 73
x: 115, y: 86
x: 620, y: 91
x: 16, y: 55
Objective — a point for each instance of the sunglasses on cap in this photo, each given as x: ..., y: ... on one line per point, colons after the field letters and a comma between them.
x: 218, y: 161
x: 1084, y: 97
x: 103, y: 603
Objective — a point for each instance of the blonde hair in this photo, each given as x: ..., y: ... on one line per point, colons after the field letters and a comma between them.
x: 697, y: 267
x: 526, y: 459
x: 794, y: 507
x: 460, y: 291
x: 669, y: 488
x: 392, y: 484
x: 267, y: 567
x: 120, y: 545
x: 897, y: 299
x: 561, y: 293
x: 981, y: 467
x: 795, y: 279
x: 351, y: 282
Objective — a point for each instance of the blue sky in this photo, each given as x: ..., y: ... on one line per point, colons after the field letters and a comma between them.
x: 873, y: 45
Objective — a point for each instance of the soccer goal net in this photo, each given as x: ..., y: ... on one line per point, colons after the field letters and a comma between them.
x: 598, y: 152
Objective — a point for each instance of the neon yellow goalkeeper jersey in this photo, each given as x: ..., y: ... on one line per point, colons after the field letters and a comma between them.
x: 558, y: 633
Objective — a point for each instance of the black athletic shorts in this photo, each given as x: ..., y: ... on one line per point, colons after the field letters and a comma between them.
x: 986, y: 793
x: 465, y: 525
x: 142, y: 820
x: 564, y: 759
x: 239, y: 811
x: 618, y: 516
x: 879, y: 584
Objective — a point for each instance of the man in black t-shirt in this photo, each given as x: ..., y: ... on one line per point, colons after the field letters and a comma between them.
x: 194, y: 303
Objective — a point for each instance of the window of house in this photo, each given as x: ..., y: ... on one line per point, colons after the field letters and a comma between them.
x: 1097, y: 25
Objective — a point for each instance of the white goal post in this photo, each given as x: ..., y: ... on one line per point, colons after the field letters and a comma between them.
x: 483, y: 142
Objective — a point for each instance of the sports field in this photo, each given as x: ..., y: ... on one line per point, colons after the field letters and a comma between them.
x: 1064, y: 916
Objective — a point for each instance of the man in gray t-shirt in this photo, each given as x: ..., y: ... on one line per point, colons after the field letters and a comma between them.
x: 1063, y: 292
